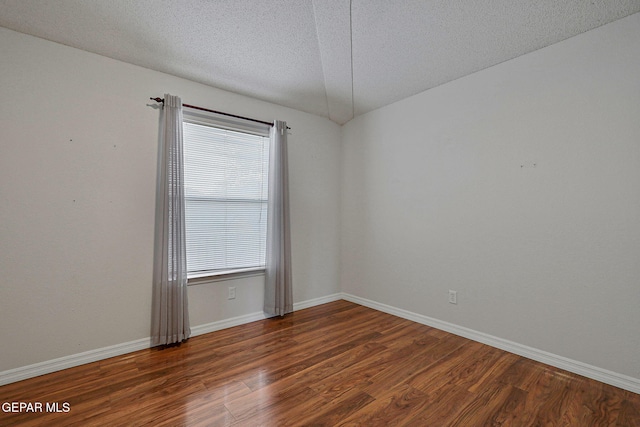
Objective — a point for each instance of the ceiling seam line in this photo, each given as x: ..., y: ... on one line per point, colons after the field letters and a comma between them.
x: 324, y: 74
x: 353, y: 102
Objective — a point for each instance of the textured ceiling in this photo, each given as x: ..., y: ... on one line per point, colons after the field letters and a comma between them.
x: 333, y: 58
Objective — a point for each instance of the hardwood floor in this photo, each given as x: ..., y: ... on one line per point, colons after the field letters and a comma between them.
x: 334, y: 364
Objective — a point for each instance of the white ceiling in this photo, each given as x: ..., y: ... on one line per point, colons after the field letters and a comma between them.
x: 333, y: 58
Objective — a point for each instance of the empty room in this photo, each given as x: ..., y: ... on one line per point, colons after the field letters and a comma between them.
x: 308, y: 212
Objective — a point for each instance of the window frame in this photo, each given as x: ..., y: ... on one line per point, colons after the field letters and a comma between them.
x: 198, y: 117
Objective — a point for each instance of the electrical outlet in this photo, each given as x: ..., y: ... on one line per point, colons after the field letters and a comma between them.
x: 232, y: 292
x: 453, y: 297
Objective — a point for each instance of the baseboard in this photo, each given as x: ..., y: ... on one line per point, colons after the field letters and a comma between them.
x: 46, y: 367
x: 317, y: 301
x: 589, y: 371
x: 227, y: 323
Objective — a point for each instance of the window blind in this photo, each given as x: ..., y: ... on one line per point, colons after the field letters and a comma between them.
x: 226, y: 188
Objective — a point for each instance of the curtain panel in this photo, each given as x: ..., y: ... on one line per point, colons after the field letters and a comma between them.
x: 170, y: 313
x: 278, y: 294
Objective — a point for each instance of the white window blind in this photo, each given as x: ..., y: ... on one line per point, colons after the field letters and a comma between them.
x: 226, y: 187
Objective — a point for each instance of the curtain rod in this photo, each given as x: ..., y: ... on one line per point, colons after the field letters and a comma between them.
x: 219, y: 112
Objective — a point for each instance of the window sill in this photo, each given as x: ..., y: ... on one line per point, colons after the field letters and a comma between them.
x: 202, y: 278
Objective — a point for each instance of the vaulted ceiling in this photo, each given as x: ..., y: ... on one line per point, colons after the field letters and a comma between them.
x: 333, y: 58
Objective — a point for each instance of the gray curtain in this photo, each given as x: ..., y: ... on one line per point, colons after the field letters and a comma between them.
x: 278, y: 294
x: 170, y: 313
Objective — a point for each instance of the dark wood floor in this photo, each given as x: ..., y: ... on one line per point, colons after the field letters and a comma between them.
x: 334, y: 364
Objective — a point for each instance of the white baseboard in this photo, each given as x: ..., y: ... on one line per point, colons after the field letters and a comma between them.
x: 227, y: 323
x: 589, y: 371
x: 46, y: 367
x: 317, y: 301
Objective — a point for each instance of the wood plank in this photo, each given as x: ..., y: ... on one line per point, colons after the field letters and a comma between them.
x: 334, y: 411
x: 488, y: 404
x: 629, y: 414
x: 444, y: 407
x: 394, y: 407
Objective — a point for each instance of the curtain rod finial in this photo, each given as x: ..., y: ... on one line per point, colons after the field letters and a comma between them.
x: 157, y: 99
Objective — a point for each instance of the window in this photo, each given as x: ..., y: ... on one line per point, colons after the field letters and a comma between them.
x: 226, y: 164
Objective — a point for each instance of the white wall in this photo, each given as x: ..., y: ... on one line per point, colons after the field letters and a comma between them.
x: 78, y: 157
x: 440, y: 192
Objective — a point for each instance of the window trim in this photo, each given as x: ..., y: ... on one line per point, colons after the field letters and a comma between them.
x: 198, y: 117
x: 225, y: 275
